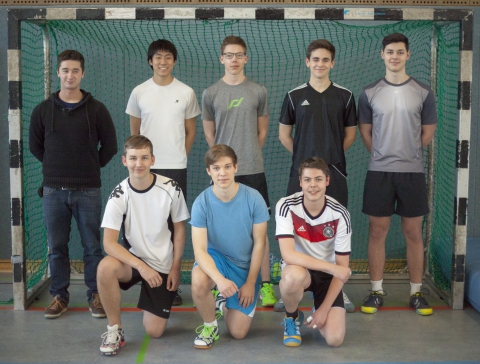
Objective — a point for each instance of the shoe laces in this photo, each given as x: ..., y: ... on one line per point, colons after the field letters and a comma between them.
x: 111, y: 337
x: 290, y: 326
x: 218, y: 314
x: 179, y: 290
x: 267, y: 291
x: 56, y: 304
x: 375, y: 295
x: 96, y: 301
x: 420, y: 296
x: 204, y: 331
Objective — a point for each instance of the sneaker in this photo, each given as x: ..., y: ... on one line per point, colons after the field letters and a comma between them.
x: 206, y: 336
x: 96, y: 308
x: 177, y: 301
x: 349, y: 306
x: 420, y: 304
x: 291, y: 334
x: 267, y: 295
x: 373, y: 301
x: 113, y: 340
x: 219, y: 303
x: 56, y: 308
x: 279, y: 306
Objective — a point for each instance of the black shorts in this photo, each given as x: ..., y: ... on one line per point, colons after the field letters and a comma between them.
x: 320, y: 283
x: 337, y: 187
x: 156, y: 300
x: 258, y: 182
x: 388, y: 193
x: 178, y: 175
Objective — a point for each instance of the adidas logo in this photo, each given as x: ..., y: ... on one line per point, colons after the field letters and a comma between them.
x: 301, y: 228
x: 305, y: 103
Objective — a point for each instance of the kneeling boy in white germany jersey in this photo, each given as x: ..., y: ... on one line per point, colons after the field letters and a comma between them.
x: 314, y: 232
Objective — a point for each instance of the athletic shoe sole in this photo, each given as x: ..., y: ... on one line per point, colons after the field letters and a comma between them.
x: 122, y: 344
x: 369, y: 309
x: 98, y: 315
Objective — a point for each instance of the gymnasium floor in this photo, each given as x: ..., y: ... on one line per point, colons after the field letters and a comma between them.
x: 394, y: 334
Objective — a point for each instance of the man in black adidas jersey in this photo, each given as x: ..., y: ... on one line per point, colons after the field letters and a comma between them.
x: 325, y: 126
x: 325, y: 121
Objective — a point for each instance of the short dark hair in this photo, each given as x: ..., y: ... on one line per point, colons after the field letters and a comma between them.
x: 232, y: 39
x: 161, y: 45
x: 137, y: 142
x: 394, y: 38
x: 321, y: 43
x: 218, y: 151
x: 314, y: 162
x: 71, y: 55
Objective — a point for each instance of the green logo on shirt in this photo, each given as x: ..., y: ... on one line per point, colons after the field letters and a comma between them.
x: 235, y: 103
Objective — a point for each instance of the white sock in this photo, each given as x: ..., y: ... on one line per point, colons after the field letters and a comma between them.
x: 377, y: 286
x: 209, y: 324
x: 415, y: 287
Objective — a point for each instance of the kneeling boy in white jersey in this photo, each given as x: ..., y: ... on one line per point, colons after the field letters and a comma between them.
x: 314, y: 232
x: 141, y: 205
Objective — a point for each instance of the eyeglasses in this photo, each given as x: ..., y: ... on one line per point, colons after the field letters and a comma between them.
x: 239, y: 55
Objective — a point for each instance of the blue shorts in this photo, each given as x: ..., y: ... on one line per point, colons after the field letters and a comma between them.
x: 239, y: 277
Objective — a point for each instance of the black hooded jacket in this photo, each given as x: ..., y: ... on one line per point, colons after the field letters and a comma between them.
x: 67, y: 141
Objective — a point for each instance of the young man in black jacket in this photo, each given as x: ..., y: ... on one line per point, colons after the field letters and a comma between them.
x: 73, y: 135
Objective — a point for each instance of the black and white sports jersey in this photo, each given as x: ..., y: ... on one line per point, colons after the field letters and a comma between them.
x: 144, y: 216
x: 321, y: 236
x: 320, y: 120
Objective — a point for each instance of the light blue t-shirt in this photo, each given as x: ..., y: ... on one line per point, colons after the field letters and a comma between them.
x: 230, y: 224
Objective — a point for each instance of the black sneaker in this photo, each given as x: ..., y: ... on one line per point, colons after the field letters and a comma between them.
x: 373, y: 301
x: 420, y: 304
x: 177, y: 301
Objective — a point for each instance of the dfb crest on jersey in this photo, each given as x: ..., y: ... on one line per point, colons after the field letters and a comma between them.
x: 328, y: 232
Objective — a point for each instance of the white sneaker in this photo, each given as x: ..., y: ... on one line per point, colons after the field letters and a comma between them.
x: 113, y: 340
x: 279, y: 306
x: 206, y: 336
x: 349, y: 306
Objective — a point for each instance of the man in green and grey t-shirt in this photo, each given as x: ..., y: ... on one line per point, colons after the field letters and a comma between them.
x: 235, y: 113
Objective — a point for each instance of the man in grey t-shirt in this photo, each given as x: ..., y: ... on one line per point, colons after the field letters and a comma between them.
x: 235, y: 113
x: 397, y: 119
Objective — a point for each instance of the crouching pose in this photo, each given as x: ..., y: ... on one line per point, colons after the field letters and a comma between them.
x: 314, y: 234
x: 141, y: 205
x: 229, y: 226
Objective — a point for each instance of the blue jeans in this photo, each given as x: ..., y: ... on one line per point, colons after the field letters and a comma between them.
x: 86, y: 207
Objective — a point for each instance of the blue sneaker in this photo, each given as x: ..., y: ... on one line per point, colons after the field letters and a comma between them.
x: 291, y: 335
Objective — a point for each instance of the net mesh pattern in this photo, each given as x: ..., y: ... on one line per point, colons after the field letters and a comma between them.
x: 116, y: 62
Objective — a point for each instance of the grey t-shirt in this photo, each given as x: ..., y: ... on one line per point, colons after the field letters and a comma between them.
x: 235, y: 109
x: 397, y: 113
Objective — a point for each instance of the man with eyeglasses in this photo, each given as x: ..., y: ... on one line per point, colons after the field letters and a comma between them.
x: 235, y: 113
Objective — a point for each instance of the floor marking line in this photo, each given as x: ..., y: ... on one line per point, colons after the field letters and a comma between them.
x: 143, y: 349
x: 193, y: 309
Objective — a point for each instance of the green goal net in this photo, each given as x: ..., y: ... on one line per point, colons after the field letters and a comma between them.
x: 116, y: 61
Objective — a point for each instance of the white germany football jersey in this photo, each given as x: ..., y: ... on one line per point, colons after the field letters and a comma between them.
x: 320, y: 236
